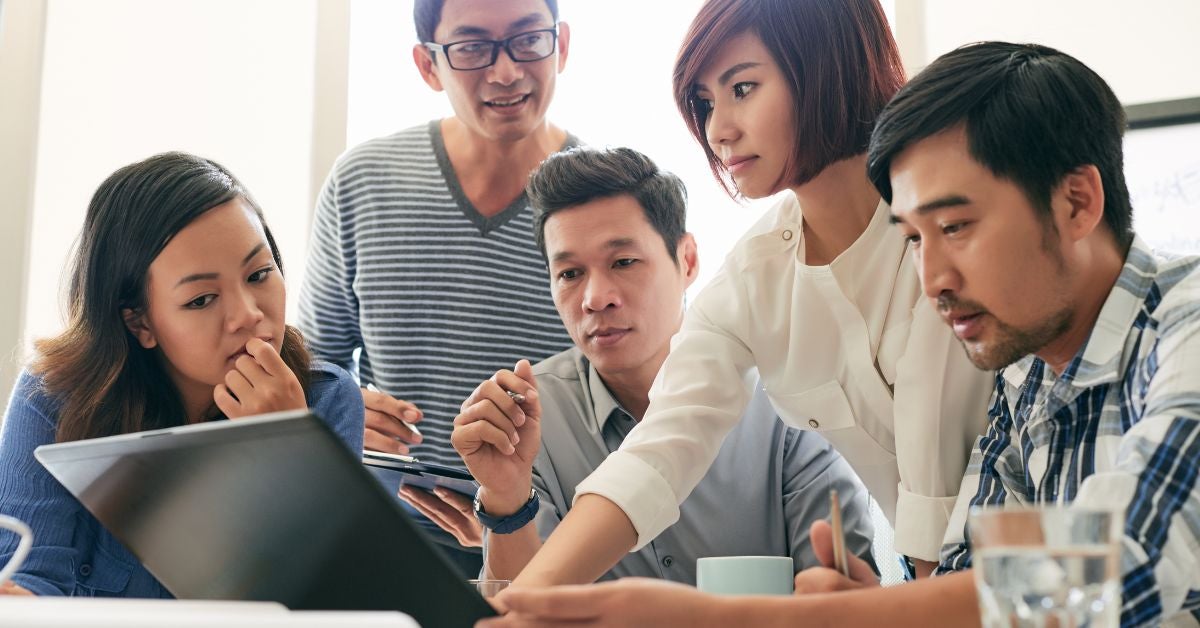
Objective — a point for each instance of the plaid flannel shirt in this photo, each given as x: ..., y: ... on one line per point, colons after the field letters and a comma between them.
x: 1119, y: 428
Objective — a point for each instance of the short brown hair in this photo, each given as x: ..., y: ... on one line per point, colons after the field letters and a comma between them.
x: 840, y: 60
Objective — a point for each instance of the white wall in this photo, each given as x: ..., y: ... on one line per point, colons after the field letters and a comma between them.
x: 1146, y: 50
x: 232, y: 80
x: 21, y: 30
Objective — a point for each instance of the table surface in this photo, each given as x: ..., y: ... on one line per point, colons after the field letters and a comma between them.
x: 47, y: 612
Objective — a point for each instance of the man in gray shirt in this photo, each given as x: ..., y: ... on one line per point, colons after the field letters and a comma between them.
x: 602, y: 218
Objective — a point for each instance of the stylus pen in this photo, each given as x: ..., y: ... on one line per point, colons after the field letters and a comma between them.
x: 839, y: 537
x: 516, y: 396
x: 412, y: 426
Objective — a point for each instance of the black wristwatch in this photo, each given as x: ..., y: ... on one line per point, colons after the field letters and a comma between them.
x: 511, y: 523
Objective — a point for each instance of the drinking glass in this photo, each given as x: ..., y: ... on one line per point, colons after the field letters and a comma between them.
x: 489, y: 588
x: 1047, y: 567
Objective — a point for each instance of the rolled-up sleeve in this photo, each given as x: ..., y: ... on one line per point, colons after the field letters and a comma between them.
x: 941, y: 408
x: 697, y: 398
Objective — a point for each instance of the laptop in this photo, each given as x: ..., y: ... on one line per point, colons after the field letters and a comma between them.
x: 273, y: 508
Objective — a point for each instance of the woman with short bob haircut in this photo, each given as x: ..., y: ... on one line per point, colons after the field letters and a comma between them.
x: 820, y: 296
x: 175, y: 316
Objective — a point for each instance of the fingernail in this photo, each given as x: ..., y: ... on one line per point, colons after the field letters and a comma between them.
x: 411, y: 415
x: 516, y: 438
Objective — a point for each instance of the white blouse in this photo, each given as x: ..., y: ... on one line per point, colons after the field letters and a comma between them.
x: 831, y: 344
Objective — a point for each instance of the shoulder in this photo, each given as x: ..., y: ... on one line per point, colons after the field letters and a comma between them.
x: 30, y: 399
x: 1178, y: 282
x: 385, y: 150
x: 561, y: 374
x: 782, y: 215
x: 565, y: 364
x: 335, y: 397
x: 330, y: 383
x: 572, y: 141
x: 30, y: 406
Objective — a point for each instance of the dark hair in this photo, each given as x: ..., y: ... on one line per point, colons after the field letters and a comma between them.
x: 106, y: 381
x: 838, y: 56
x: 1032, y: 114
x: 427, y: 14
x: 580, y: 175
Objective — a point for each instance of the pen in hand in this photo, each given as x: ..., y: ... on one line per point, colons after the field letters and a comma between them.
x: 412, y: 426
x: 839, y: 538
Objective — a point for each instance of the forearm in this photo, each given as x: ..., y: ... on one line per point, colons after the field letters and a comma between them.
x: 942, y: 601
x: 507, y: 554
x: 592, y: 538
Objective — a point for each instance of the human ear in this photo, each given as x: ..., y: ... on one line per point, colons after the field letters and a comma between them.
x: 564, y: 44
x: 689, y: 258
x: 1082, y: 193
x: 135, y: 322
x: 423, y: 57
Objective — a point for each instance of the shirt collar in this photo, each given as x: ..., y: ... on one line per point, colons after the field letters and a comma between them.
x: 602, y: 400
x: 1103, y: 357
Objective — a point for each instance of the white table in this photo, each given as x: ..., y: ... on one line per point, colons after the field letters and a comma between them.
x: 60, y: 612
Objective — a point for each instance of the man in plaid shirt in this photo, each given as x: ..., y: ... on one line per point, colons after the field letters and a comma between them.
x: 1003, y: 166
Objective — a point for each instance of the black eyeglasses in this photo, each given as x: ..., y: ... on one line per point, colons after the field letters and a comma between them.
x: 476, y: 54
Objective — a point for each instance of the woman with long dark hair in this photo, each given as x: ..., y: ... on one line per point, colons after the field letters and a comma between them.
x: 176, y: 316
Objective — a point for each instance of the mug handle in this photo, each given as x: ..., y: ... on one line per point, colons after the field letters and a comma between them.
x: 18, y: 557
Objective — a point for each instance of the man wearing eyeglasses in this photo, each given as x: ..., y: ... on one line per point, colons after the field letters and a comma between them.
x: 422, y: 257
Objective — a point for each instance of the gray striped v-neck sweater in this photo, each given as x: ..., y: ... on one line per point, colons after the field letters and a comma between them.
x: 436, y: 296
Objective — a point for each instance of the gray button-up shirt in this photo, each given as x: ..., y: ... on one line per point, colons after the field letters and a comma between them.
x: 766, y: 487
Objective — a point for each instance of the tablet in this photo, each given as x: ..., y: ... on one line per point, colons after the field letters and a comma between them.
x: 395, y: 471
x: 273, y: 508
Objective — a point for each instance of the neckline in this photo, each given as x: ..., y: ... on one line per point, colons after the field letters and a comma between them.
x: 485, y: 224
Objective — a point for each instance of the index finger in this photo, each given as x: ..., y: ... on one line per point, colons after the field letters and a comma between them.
x: 522, y: 393
x: 267, y: 357
x: 516, y: 383
x: 384, y: 403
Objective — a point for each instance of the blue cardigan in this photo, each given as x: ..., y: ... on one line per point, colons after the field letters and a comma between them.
x: 72, y: 553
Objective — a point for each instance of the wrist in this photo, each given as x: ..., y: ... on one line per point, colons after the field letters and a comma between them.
x: 504, y: 503
x: 510, y: 523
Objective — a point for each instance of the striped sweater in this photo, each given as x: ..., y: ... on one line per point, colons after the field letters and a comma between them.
x: 411, y: 288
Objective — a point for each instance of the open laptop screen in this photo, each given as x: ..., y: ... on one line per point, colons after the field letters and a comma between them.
x: 272, y: 508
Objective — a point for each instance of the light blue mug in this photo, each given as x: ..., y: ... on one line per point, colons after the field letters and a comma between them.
x: 745, y: 575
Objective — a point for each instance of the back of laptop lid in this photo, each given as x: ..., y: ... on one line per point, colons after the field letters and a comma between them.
x: 274, y: 508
